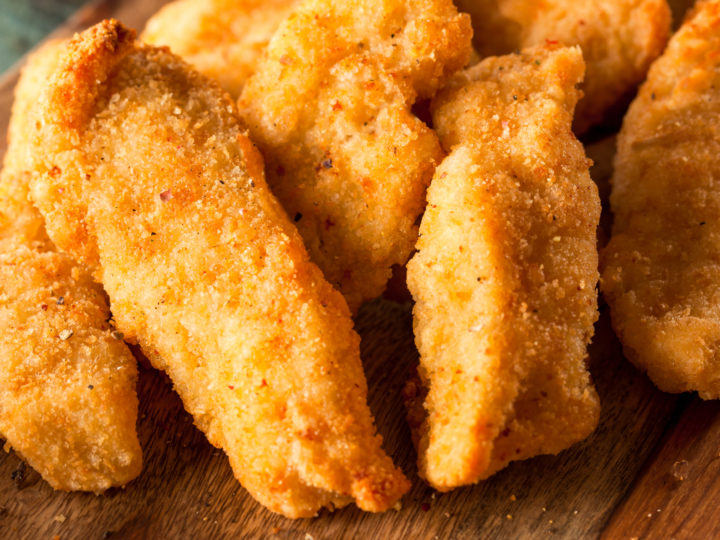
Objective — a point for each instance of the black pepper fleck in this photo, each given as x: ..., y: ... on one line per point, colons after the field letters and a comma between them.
x: 18, y: 475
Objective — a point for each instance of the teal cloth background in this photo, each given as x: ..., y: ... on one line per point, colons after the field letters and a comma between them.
x: 24, y: 23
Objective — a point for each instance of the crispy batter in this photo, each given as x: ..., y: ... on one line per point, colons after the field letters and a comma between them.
x: 20, y: 222
x: 619, y: 39
x: 67, y: 386
x: 330, y: 109
x: 223, y: 39
x: 204, y: 269
x: 505, y: 274
x: 661, y: 269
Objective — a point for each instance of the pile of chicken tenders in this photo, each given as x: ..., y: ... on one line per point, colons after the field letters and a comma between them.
x: 227, y: 189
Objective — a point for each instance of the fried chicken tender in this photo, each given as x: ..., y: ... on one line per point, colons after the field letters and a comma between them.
x: 619, y: 40
x: 661, y: 269
x: 223, y: 39
x: 67, y: 386
x: 505, y: 274
x: 329, y: 107
x: 20, y: 222
x: 207, y: 273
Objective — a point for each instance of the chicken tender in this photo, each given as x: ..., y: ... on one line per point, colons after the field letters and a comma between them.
x: 661, y: 269
x: 223, y: 39
x: 329, y: 108
x: 619, y: 40
x: 20, y: 222
x: 207, y: 273
x: 505, y: 274
x: 67, y: 381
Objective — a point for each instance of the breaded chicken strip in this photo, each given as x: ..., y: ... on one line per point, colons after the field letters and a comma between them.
x: 619, y: 40
x: 223, y: 39
x: 330, y: 109
x: 505, y: 274
x: 204, y: 269
x: 67, y: 381
x: 661, y: 269
x: 20, y: 222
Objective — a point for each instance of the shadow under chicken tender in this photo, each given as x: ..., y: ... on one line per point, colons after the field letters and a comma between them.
x: 204, y: 269
x: 661, y: 269
x: 330, y: 108
x: 505, y: 274
x: 223, y: 39
x: 67, y: 382
x: 619, y: 40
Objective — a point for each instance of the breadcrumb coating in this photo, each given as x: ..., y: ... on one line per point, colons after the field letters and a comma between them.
x: 661, y: 269
x: 505, y: 274
x: 206, y: 272
x: 223, y: 39
x: 330, y: 108
x: 67, y: 383
x: 619, y: 40
x: 67, y: 386
x: 20, y: 222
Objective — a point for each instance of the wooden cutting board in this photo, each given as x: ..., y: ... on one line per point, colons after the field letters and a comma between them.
x: 651, y: 469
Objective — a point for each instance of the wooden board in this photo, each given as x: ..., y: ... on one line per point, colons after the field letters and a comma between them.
x: 650, y: 470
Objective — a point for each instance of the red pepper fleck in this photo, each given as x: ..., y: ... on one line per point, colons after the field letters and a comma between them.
x: 166, y: 195
x: 329, y: 223
x: 551, y: 41
x: 44, y: 307
x: 231, y: 387
x: 55, y: 171
x: 336, y: 106
x: 264, y: 383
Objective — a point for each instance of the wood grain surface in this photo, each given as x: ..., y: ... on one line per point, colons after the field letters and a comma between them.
x: 651, y: 469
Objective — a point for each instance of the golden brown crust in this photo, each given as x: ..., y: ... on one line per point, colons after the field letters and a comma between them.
x: 67, y: 386
x: 504, y: 278
x: 222, y: 39
x: 20, y: 222
x: 619, y: 39
x: 661, y: 268
x: 206, y: 272
x: 329, y: 108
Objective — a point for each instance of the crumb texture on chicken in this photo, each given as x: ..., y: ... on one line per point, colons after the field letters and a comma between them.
x: 222, y: 39
x: 67, y: 385
x: 204, y: 269
x: 505, y: 274
x: 619, y: 40
x: 661, y: 269
x: 330, y: 109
